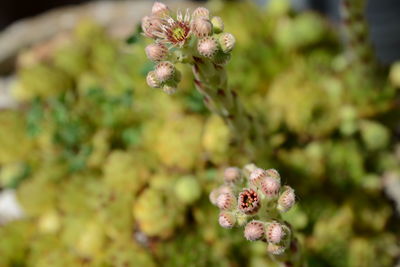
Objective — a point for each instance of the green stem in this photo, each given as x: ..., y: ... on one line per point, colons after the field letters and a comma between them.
x: 211, y: 81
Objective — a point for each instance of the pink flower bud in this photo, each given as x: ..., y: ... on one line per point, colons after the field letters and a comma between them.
x: 249, y: 202
x: 151, y: 25
x: 275, y: 249
x: 227, y: 42
x: 152, y: 80
x: 165, y: 71
x: 159, y: 9
x: 254, y: 230
x: 201, y: 12
x: 207, y: 47
x: 270, y: 187
x: 232, y: 175
x: 218, y: 24
x: 201, y: 27
x: 273, y: 173
x: 275, y: 233
x: 226, y: 219
x: 156, y: 52
x: 223, y: 189
x: 226, y: 201
x: 256, y: 176
x: 286, y: 199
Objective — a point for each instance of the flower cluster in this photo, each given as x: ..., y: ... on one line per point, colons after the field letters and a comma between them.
x: 183, y: 38
x: 254, y: 198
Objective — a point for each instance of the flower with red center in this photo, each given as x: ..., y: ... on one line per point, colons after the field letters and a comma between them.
x: 249, y: 202
x: 175, y: 31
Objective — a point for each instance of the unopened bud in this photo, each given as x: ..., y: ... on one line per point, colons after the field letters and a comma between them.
x: 201, y: 27
x: 232, y: 175
x: 150, y: 25
x: 275, y: 233
x: 159, y: 9
x: 169, y: 89
x: 226, y: 219
x: 201, y: 12
x: 214, y: 196
x: 249, y: 202
x: 156, y: 52
x: 165, y: 71
x: 207, y: 47
x: 254, y: 230
x: 270, y: 187
x: 218, y: 24
x: 256, y: 176
x: 152, y: 80
x: 227, y: 42
x: 273, y: 173
x: 286, y: 199
x: 275, y: 249
x: 226, y: 201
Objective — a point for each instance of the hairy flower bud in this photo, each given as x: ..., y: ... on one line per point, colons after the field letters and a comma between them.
x: 273, y: 173
x: 207, y: 46
x: 218, y: 24
x: 226, y: 219
x: 256, y: 176
x: 254, y: 230
x: 201, y: 27
x: 151, y: 25
x: 232, y: 175
x: 226, y: 201
x: 275, y: 233
x: 165, y: 71
x: 159, y: 9
x: 270, y: 187
x: 169, y: 89
x: 275, y: 249
x: 201, y: 12
x: 227, y: 42
x: 156, y: 52
x: 249, y: 202
x: 286, y: 199
x: 152, y: 80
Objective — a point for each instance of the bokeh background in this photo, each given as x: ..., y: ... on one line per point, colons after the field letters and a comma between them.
x: 97, y: 169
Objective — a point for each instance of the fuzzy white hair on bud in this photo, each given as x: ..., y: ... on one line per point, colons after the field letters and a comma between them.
x: 156, y: 52
x: 254, y: 231
x: 207, y: 47
x: 165, y: 71
x: 227, y: 42
x: 152, y: 80
x: 201, y: 12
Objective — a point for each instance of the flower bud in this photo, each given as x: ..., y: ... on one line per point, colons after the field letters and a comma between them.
x: 254, y: 231
x: 275, y: 249
x: 169, y: 89
x: 275, y: 233
x: 156, y: 52
x: 232, y: 175
x: 151, y: 25
x: 201, y: 27
x: 227, y: 42
x: 159, y: 9
x: 152, y: 80
x: 214, y: 196
x: 218, y: 24
x: 273, y: 173
x: 201, y: 12
x: 226, y: 201
x: 256, y: 176
x: 207, y: 46
x: 270, y: 187
x: 165, y: 71
x: 226, y: 219
x: 249, y: 202
x: 286, y: 200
